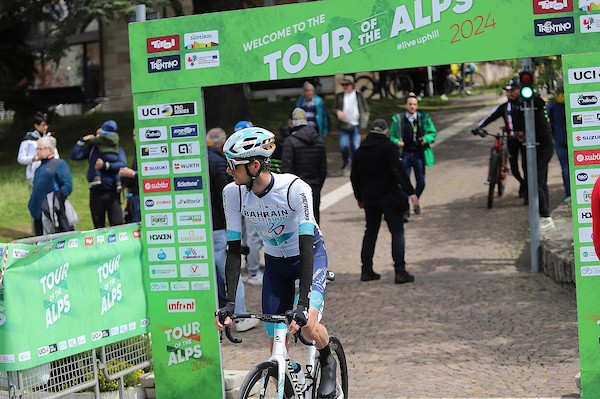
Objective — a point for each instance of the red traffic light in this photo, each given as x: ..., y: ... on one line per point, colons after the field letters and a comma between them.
x: 526, y: 78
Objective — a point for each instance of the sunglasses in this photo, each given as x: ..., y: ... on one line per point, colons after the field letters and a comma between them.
x: 233, y: 163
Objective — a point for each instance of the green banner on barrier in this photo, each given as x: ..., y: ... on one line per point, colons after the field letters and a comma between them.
x: 70, y: 295
x: 336, y: 36
x: 582, y: 102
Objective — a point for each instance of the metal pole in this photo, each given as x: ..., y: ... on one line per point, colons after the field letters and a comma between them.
x: 140, y: 12
x: 532, y: 176
x: 430, y: 81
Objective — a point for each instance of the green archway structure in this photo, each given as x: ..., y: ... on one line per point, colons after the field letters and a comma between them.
x: 173, y: 59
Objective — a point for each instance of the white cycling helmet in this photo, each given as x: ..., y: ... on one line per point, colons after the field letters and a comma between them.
x: 251, y: 142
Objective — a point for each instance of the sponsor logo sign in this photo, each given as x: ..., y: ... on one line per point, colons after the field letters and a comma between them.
x: 165, y: 63
x: 162, y: 43
x: 585, y: 234
x: 200, y: 286
x: 193, y: 270
x: 187, y: 183
x: 584, y: 195
x: 100, y: 239
x: 590, y: 271
x: 152, y: 133
x: 586, y: 176
x: 587, y: 157
x: 123, y: 236
x: 193, y: 253
x: 162, y: 254
x: 191, y: 235
x: 60, y: 245
x: 189, y: 148
x: 552, y: 6
x: 159, y: 286
x: 159, y: 219
x: 189, y: 200
x: 112, y: 238
x: 156, y: 185
x: 186, y: 166
x: 155, y: 168
x: 136, y: 234
x: 154, y: 151
x: 88, y: 241
x: 588, y: 254
x: 181, y: 305
x: 589, y: 23
x: 554, y: 26
x: 190, y: 218
x: 207, y: 59
x: 201, y: 40
x: 166, y: 110
x: 73, y: 243
x: 19, y: 253
x: 184, y: 131
x: 158, y: 202
x: 584, y: 75
x: 180, y: 285
x: 583, y: 100
x: 163, y: 271
x: 583, y: 119
x: 584, y: 215
x: 160, y: 237
x: 586, y: 138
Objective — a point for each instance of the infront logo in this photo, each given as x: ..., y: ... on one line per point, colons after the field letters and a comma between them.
x: 183, y: 305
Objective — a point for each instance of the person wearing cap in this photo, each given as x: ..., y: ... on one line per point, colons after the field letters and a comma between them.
x: 316, y: 112
x: 352, y: 112
x: 304, y: 155
x: 413, y: 132
x: 105, y: 196
x: 514, y: 117
x: 377, y: 175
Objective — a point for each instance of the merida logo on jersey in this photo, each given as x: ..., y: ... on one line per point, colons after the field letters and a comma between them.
x: 266, y: 214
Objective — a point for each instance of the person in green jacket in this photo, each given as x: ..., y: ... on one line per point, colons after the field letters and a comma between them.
x: 413, y: 132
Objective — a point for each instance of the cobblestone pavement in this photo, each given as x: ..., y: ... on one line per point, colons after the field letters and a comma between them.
x: 475, y: 324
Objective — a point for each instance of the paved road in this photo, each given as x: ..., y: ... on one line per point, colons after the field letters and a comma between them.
x: 476, y: 323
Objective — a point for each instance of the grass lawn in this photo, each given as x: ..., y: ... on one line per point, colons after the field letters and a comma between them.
x: 16, y: 221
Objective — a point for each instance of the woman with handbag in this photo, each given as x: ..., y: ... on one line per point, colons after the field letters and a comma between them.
x: 53, y: 176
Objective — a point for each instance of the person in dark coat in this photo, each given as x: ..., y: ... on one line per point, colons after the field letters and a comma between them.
x: 377, y: 176
x: 304, y: 155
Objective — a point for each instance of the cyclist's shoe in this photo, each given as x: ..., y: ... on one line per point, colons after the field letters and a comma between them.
x: 546, y: 223
x: 369, y: 276
x: 327, y: 383
x: 404, y: 277
x: 417, y: 210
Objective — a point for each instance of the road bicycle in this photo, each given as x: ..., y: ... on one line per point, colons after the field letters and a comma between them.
x: 473, y: 83
x: 397, y: 85
x: 498, y: 165
x: 280, y: 377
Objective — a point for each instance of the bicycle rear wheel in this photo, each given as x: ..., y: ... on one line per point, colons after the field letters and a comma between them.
x: 341, y: 377
x: 401, y: 85
x: 493, y: 177
x: 365, y: 86
x: 261, y: 383
x: 477, y: 84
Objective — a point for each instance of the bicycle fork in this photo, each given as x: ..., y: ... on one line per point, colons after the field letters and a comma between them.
x: 279, y: 356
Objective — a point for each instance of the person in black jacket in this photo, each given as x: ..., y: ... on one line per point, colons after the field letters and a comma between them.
x: 376, y: 176
x: 304, y: 155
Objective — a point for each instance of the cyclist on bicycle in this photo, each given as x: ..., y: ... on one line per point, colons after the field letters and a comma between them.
x: 279, y: 208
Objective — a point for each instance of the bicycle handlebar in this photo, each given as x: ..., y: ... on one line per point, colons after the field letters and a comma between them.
x: 269, y: 318
x: 482, y: 132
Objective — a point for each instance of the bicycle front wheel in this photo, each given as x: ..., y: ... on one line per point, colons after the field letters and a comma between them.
x: 401, y: 85
x: 365, y: 86
x: 493, y: 177
x: 341, y: 377
x: 477, y: 84
x: 261, y: 383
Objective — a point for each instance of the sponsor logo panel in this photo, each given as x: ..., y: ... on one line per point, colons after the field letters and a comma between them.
x: 160, y: 237
x: 200, y: 286
x: 156, y: 185
x: 186, y: 166
x: 552, y: 6
x: 584, y: 196
x: 189, y: 200
x: 189, y: 148
x: 586, y: 138
x: 584, y: 119
x: 590, y: 271
x: 588, y: 254
x: 554, y: 26
x: 152, y: 133
x: 159, y: 219
x: 584, y: 75
x: 163, y: 254
x: 193, y: 253
x: 191, y: 235
x: 583, y: 100
x: 586, y: 176
x: 166, y: 110
x: 585, y: 234
x: 155, y: 168
x: 159, y: 286
x: 181, y: 305
x: 163, y: 271
x: 184, y: 131
x: 587, y: 157
x: 207, y: 59
x: 193, y: 269
x: 201, y: 40
x: 589, y: 23
x: 165, y: 63
x: 162, y: 43
x: 180, y: 285
x: 187, y: 183
x: 190, y: 218
x: 154, y: 151
x: 158, y: 202
x: 584, y: 215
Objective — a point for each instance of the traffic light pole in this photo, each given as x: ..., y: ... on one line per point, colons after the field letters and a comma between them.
x: 532, y: 176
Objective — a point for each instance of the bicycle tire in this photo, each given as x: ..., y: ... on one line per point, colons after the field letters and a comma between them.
x: 342, y: 370
x: 365, y: 86
x: 400, y: 86
x: 493, y: 177
x: 477, y: 85
x: 263, y: 379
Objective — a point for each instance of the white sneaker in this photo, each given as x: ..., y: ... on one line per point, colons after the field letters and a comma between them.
x: 546, y: 223
x: 246, y: 324
x: 257, y: 279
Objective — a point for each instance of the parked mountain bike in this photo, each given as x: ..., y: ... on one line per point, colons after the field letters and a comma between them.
x: 498, y: 165
x: 467, y: 82
x: 397, y: 85
x: 281, y: 378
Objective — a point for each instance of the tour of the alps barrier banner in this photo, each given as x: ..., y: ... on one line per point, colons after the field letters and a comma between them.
x: 69, y: 295
x: 173, y: 59
x: 582, y: 105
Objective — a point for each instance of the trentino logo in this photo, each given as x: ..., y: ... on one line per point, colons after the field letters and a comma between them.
x: 164, y: 64
x: 554, y: 26
x: 183, y: 131
x: 188, y: 183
